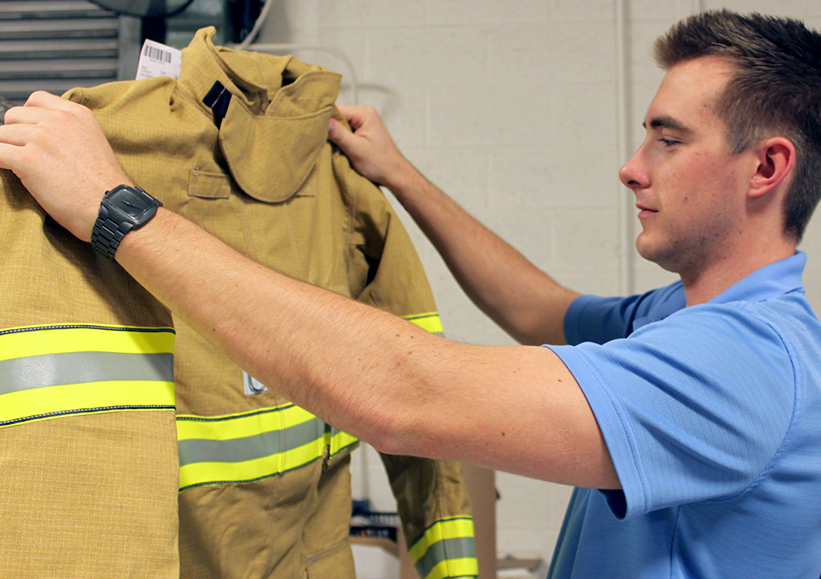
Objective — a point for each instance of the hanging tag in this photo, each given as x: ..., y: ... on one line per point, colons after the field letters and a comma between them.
x: 158, y: 60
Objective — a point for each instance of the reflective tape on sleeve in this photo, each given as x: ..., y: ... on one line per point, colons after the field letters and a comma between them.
x: 52, y: 371
x: 252, y: 446
x: 446, y: 550
x: 340, y: 441
x: 454, y: 569
x: 429, y: 322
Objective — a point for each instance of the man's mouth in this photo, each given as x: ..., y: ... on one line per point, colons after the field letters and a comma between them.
x: 645, y: 212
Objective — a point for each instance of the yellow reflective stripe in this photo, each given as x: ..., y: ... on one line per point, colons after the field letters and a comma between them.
x: 429, y: 321
x: 450, y: 528
x: 95, y: 397
x: 453, y: 568
x: 305, y: 454
x: 340, y: 441
x: 240, y: 425
x: 63, y: 369
x: 250, y: 446
x: 37, y: 340
x: 200, y: 473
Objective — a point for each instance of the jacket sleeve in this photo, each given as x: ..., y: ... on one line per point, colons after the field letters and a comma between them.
x: 385, y: 271
x: 89, y: 450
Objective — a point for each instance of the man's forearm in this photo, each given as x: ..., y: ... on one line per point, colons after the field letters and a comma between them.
x: 522, y: 299
x: 369, y: 373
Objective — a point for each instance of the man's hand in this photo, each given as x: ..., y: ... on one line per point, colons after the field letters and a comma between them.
x: 59, y: 152
x: 370, y: 147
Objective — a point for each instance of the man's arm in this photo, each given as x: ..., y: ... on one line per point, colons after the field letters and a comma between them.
x: 527, y: 303
x: 365, y: 371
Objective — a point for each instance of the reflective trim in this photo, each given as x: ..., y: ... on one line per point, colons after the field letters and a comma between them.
x: 429, y: 322
x: 58, y: 339
x: 53, y: 402
x: 252, y: 446
x: 220, y: 473
x: 454, y: 569
x: 446, y: 549
x: 80, y: 367
x: 233, y: 426
x: 340, y: 441
x: 52, y: 371
x: 245, y: 448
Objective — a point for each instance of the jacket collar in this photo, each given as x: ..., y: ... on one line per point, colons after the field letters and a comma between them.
x: 277, y: 113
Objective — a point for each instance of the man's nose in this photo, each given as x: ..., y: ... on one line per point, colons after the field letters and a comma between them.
x: 633, y: 173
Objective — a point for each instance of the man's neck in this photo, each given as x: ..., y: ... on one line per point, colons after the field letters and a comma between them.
x: 723, y: 273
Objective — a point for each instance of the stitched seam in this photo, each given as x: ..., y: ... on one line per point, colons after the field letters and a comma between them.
x: 86, y: 411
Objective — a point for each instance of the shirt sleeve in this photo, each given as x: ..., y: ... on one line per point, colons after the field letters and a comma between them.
x: 691, y: 409
x: 599, y: 320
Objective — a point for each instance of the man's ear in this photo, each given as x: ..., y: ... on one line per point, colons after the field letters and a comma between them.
x: 776, y: 163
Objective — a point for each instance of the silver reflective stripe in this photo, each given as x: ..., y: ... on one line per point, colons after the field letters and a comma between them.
x: 250, y: 447
x: 83, y: 367
x: 461, y: 548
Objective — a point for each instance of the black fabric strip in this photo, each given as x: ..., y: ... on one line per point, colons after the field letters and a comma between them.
x: 218, y: 99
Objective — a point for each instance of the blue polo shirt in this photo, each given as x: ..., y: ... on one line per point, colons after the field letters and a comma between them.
x: 712, y: 416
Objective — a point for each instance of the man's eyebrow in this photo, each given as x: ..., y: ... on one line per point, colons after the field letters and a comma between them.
x: 666, y: 122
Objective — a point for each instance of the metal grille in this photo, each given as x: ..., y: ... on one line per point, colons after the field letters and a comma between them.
x: 55, y: 45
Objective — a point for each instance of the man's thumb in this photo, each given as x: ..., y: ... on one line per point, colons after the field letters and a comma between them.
x: 339, y: 135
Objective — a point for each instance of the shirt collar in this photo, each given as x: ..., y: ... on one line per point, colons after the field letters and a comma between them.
x: 775, y: 279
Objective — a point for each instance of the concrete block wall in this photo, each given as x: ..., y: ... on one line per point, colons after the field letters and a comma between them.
x: 512, y: 108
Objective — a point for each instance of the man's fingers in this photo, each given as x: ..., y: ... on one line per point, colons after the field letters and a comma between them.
x: 7, y: 155
x: 43, y: 107
x: 357, y: 115
x: 43, y: 99
x: 338, y: 134
x: 348, y: 111
x: 15, y: 135
x: 20, y: 116
x: 351, y: 114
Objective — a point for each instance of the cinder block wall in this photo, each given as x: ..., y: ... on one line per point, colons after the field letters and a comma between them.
x: 512, y: 108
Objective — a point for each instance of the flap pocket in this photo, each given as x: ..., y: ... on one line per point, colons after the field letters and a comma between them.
x: 207, y: 185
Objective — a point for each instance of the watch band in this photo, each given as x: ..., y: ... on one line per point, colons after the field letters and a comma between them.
x: 106, y: 236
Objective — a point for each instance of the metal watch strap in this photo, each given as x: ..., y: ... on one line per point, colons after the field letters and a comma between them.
x: 106, y: 237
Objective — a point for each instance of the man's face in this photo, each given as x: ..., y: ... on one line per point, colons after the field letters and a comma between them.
x: 689, y: 187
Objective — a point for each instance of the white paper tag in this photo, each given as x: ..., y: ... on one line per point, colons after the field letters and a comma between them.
x: 252, y: 385
x: 158, y: 60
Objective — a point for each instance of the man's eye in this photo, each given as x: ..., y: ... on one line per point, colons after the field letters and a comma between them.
x: 668, y: 142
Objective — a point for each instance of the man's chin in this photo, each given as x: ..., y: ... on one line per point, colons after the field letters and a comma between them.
x: 661, y: 256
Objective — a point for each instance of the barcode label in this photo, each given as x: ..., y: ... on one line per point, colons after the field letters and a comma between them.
x: 158, y: 60
x: 155, y: 53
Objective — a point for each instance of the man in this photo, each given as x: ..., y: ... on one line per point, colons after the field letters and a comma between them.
x: 699, y: 425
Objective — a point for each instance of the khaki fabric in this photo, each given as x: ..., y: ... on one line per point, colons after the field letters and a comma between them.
x: 265, y: 486
x: 89, y: 468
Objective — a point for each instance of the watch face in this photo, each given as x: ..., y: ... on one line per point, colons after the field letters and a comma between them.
x: 132, y: 203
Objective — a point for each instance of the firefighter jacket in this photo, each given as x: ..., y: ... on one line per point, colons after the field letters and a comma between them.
x: 239, y: 145
x: 88, y: 446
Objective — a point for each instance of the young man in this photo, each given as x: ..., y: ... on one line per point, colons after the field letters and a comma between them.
x: 694, y: 409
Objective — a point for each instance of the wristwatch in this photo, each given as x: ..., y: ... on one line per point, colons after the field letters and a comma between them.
x: 122, y: 209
